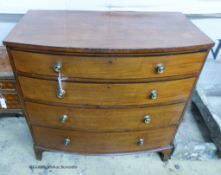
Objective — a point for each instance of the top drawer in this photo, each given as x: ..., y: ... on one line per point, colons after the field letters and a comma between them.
x: 109, y: 68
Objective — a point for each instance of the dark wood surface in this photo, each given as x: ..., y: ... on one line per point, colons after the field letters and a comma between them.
x: 106, y: 94
x: 108, y: 68
x: 100, y: 142
x: 107, y: 32
x: 92, y: 119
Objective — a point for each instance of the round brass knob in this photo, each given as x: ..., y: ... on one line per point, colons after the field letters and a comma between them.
x: 63, y: 118
x: 67, y: 141
x: 153, y: 95
x: 60, y: 93
x: 160, y: 68
x: 147, y: 119
x: 57, y: 67
x: 140, y: 142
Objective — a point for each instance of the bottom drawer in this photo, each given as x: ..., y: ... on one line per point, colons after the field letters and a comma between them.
x: 98, y: 142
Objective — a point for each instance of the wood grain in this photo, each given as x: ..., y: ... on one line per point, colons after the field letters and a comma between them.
x: 5, y: 66
x: 103, y: 119
x: 7, y: 85
x: 106, y: 94
x: 109, y: 68
x: 100, y: 142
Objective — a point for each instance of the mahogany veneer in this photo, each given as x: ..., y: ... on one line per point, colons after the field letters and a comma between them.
x: 107, y: 94
x: 105, y: 82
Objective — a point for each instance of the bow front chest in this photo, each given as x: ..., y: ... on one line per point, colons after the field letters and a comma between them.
x: 105, y: 82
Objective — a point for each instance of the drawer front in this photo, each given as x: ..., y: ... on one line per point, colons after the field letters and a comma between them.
x: 109, y: 68
x: 104, y: 119
x: 11, y: 101
x: 98, y: 142
x: 107, y: 94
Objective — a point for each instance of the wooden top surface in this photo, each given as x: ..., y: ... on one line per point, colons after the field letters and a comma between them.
x: 105, y: 32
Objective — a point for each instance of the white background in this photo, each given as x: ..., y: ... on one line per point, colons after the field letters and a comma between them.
x: 185, y: 6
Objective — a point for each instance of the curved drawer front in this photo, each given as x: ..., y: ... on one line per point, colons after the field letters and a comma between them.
x: 103, y: 119
x: 107, y: 94
x: 109, y: 68
x: 7, y: 85
x: 97, y: 142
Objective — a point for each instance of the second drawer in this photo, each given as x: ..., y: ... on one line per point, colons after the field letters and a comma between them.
x: 103, y: 119
x: 105, y: 94
x: 109, y: 68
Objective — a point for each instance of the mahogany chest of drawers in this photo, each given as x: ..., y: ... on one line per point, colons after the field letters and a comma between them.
x: 105, y: 82
x: 9, y: 101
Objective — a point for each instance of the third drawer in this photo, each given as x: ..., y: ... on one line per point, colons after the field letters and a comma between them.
x: 104, y: 119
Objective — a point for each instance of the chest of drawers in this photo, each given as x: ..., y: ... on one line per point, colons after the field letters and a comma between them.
x: 105, y: 82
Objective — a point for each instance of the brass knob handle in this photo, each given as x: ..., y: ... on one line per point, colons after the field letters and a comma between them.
x: 147, y: 119
x: 160, y: 68
x: 67, y: 141
x: 153, y: 95
x: 57, y: 67
x: 140, y: 142
x: 63, y: 118
x: 60, y: 93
